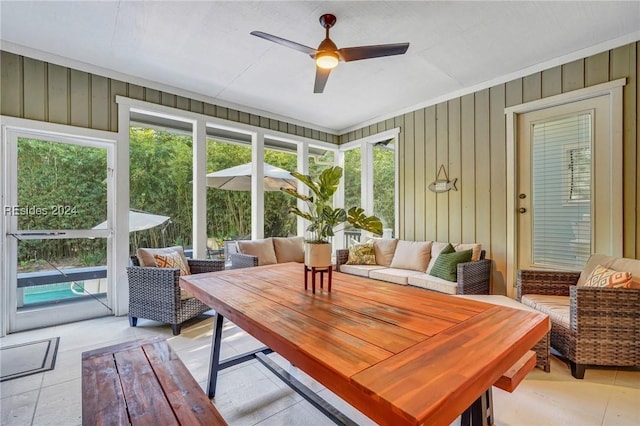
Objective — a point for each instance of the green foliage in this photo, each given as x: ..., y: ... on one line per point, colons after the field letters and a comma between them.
x: 321, y: 214
x: 73, y: 180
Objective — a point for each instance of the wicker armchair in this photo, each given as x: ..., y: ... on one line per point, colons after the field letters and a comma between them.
x: 154, y: 293
x: 603, y: 322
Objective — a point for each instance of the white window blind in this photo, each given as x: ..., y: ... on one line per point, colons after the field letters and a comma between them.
x: 561, y: 193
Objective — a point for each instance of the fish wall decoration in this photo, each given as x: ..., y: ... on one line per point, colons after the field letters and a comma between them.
x: 443, y: 185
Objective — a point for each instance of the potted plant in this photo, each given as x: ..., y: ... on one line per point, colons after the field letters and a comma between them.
x: 323, y: 217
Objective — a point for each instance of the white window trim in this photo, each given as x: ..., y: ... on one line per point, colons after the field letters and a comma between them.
x: 200, y: 122
x: 612, y: 89
x: 366, y: 149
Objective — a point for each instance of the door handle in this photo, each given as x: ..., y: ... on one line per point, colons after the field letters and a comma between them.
x: 522, y: 210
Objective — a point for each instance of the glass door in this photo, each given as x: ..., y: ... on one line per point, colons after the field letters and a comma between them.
x: 57, y: 265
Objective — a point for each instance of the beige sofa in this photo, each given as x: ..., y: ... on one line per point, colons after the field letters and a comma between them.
x: 267, y: 251
x: 411, y: 263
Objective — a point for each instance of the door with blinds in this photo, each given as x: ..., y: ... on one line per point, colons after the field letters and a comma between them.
x: 564, y: 185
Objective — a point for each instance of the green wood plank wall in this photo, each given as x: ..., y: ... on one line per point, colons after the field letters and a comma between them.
x: 468, y: 136
x: 43, y: 91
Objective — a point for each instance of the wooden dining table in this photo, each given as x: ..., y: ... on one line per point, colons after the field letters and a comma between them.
x: 400, y: 355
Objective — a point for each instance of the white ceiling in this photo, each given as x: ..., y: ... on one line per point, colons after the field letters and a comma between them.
x: 205, y: 48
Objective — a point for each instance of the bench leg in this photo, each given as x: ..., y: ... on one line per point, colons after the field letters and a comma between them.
x: 215, y: 356
x: 133, y: 321
x: 176, y: 329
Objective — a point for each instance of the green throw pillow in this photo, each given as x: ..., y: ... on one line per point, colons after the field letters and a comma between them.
x: 362, y: 254
x: 446, y: 265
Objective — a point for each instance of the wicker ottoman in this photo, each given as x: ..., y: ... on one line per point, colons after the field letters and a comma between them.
x: 541, y: 348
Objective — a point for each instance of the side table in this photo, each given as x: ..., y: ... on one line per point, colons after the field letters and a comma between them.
x: 314, y: 270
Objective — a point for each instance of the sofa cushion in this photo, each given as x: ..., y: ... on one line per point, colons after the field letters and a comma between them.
x: 446, y: 266
x: 362, y: 254
x: 289, y: 249
x: 605, y: 277
x: 433, y: 283
x: 557, y: 307
x: 262, y: 249
x: 145, y: 255
x: 361, y: 270
x: 393, y: 275
x: 413, y: 255
x: 384, y: 249
x: 475, y: 247
x: 172, y: 259
x: 616, y: 263
x: 436, y: 248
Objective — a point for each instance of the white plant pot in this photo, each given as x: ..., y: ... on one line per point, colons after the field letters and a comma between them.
x: 317, y: 255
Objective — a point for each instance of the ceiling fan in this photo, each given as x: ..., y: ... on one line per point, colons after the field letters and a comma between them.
x: 327, y: 55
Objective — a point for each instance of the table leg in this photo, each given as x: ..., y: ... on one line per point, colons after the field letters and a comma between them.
x: 215, y: 355
x: 306, y: 274
x: 313, y: 279
x: 480, y: 413
x: 329, y: 285
x: 321, y: 279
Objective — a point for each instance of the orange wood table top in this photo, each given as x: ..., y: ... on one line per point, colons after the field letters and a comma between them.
x: 400, y: 355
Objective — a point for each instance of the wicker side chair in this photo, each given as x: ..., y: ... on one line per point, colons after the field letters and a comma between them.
x: 604, y: 323
x: 154, y: 293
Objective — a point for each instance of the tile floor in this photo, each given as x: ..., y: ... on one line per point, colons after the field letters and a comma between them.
x: 249, y: 394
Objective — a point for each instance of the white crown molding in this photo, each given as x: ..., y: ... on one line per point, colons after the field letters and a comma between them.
x: 116, y: 75
x: 561, y: 60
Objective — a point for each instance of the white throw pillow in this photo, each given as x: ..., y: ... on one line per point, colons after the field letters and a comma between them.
x: 412, y: 255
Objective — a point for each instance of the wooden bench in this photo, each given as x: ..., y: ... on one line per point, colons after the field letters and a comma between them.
x: 142, y: 382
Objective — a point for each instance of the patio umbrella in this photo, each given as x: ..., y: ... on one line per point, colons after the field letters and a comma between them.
x: 139, y: 221
x: 238, y: 178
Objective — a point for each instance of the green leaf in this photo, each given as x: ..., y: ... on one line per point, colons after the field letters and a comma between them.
x: 358, y: 219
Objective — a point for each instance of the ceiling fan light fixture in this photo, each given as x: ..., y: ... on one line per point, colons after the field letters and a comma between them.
x: 327, y: 60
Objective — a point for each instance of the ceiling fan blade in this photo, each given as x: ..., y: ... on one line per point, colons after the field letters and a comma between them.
x: 322, y: 75
x: 366, y: 52
x: 284, y: 42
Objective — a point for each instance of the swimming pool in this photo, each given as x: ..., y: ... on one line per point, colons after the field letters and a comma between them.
x: 49, y: 293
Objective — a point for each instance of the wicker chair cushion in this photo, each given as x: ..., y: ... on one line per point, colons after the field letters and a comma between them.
x: 171, y: 260
x: 413, y: 255
x: 289, y: 249
x: 145, y: 255
x: 557, y: 307
x: 362, y: 254
x: 262, y: 249
x: 605, y: 277
x: 616, y: 263
x: 446, y: 266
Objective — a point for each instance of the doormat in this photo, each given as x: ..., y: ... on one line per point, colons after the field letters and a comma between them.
x: 28, y: 358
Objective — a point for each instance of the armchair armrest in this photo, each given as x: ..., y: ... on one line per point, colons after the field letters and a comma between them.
x: 474, y: 277
x: 555, y: 283
x: 342, y: 255
x: 148, y: 283
x: 199, y: 266
x: 604, y: 322
x: 602, y: 312
x: 239, y: 260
